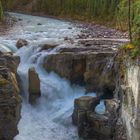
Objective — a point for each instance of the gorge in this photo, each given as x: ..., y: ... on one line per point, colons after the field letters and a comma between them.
x: 68, y: 77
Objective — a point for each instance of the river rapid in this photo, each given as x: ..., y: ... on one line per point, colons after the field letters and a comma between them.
x: 50, y: 118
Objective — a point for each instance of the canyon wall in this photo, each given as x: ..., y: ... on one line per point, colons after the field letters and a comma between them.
x: 130, y: 92
x: 10, y: 100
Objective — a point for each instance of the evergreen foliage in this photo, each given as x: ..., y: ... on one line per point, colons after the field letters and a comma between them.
x: 1, y: 11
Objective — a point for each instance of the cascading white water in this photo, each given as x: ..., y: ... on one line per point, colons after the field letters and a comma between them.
x: 50, y: 119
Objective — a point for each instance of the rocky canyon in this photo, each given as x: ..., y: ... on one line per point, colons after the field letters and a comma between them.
x: 63, y: 80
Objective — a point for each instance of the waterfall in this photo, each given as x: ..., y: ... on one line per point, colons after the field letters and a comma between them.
x: 51, y: 118
x: 7, y: 48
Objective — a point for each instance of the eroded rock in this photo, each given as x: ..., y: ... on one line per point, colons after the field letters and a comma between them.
x: 48, y: 46
x: 21, y: 42
x: 129, y: 87
x: 10, y: 104
x: 9, y: 61
x: 98, y: 127
x: 81, y: 106
x: 94, y: 70
x: 34, y: 86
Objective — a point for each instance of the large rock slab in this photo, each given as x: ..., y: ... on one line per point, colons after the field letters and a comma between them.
x: 94, y: 70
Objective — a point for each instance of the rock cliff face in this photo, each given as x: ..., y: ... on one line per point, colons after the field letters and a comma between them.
x: 90, y: 66
x: 10, y: 101
x: 121, y: 120
x: 130, y: 92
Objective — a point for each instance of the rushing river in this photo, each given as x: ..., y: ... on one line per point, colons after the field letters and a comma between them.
x: 50, y: 119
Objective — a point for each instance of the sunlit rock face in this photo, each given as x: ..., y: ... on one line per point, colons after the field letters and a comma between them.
x: 130, y: 87
x: 10, y: 101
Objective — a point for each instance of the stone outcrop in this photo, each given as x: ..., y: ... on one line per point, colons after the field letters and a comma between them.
x: 92, y: 125
x: 129, y: 88
x: 21, y: 42
x: 34, y: 86
x: 9, y: 61
x: 85, y: 67
x: 81, y: 106
x: 10, y: 100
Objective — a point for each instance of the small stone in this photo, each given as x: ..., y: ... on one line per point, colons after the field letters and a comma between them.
x: 21, y: 42
x: 39, y: 24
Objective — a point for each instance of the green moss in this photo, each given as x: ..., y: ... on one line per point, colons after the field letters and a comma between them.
x: 3, y: 81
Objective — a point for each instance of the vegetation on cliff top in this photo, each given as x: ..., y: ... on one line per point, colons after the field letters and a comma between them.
x: 134, y: 27
x: 1, y: 11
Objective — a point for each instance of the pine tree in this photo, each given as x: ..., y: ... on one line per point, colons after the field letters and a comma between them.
x: 1, y: 11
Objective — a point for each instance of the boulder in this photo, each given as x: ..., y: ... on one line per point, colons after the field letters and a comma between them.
x: 90, y: 125
x: 67, y: 65
x: 81, y: 106
x: 10, y: 104
x: 34, y: 86
x: 21, y: 42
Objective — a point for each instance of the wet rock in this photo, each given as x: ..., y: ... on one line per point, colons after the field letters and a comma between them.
x: 21, y: 42
x: 90, y: 125
x: 39, y: 24
x: 83, y: 66
x: 10, y: 104
x: 98, y: 127
x: 81, y: 106
x: 34, y: 86
x: 48, y: 46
